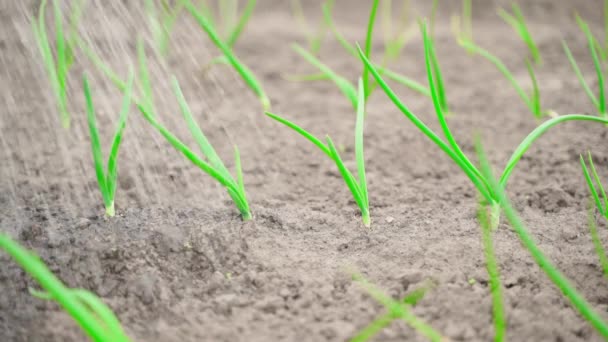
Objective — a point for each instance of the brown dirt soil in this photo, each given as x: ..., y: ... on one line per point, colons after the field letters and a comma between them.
x: 178, y: 264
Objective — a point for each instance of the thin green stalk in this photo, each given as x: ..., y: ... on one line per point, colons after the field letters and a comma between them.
x: 227, y: 12
x: 106, y: 180
x: 144, y: 77
x: 537, y: 133
x: 406, y: 81
x: 435, y: 86
x: 236, y: 190
x: 596, y: 177
x: 327, y: 17
x: 518, y: 22
x: 167, y: 22
x: 401, y: 311
x: 314, y: 39
x: 344, y: 85
x: 359, y: 155
x: 568, y: 290
x: 241, y: 68
x: 241, y: 23
x: 598, y: 202
x: 56, y: 67
x: 357, y: 187
x: 580, y: 76
x: 531, y: 101
x: 467, y: 20
x: 498, y: 310
x: 431, y: 61
x: 478, y: 182
x: 535, y: 97
x: 372, y: 329
x: 600, y: 101
x: 597, y: 244
x: 97, y: 321
x: 62, y: 67
x: 368, y: 45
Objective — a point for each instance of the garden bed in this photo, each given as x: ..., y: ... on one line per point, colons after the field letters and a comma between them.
x: 177, y: 263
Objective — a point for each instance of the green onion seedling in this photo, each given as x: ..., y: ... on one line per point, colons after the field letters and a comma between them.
x: 214, y: 167
x: 462, y: 26
x: 599, y: 197
x: 57, y: 66
x: 601, y: 203
x: 397, y: 310
x: 349, y: 91
x: 498, y: 310
x: 372, y: 329
x: 91, y: 314
x: 106, y: 180
x: 451, y: 148
x: 600, y: 101
x: 394, y: 41
x: 358, y: 187
x: 531, y: 100
x: 597, y: 243
x: 232, y: 27
x: 562, y: 283
x: 518, y: 22
x: 314, y: 37
x: 226, y: 50
x: 347, y: 88
x: 162, y: 21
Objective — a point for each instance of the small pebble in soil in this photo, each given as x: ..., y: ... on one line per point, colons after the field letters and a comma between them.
x: 83, y: 223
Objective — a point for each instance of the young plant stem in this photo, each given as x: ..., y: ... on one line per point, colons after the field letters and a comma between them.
x: 597, y: 243
x: 564, y: 285
x: 518, y: 22
x: 106, y: 180
x: 241, y: 23
x: 97, y: 320
x: 368, y: 45
x: 372, y: 329
x: 357, y: 187
x: 601, y: 207
x: 226, y: 49
x: 400, y: 311
x: 532, y: 101
x: 56, y: 66
x: 498, y: 310
x: 600, y: 101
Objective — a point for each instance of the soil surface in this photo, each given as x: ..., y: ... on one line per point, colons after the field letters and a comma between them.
x: 178, y: 264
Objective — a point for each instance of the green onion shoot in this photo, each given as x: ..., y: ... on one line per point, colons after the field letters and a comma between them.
x: 91, y: 314
x: 399, y: 311
x: 558, y: 278
x: 451, y: 147
x: 356, y: 185
x: 598, y: 101
x: 226, y: 49
x: 58, y: 65
x: 518, y: 22
x: 106, y: 180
